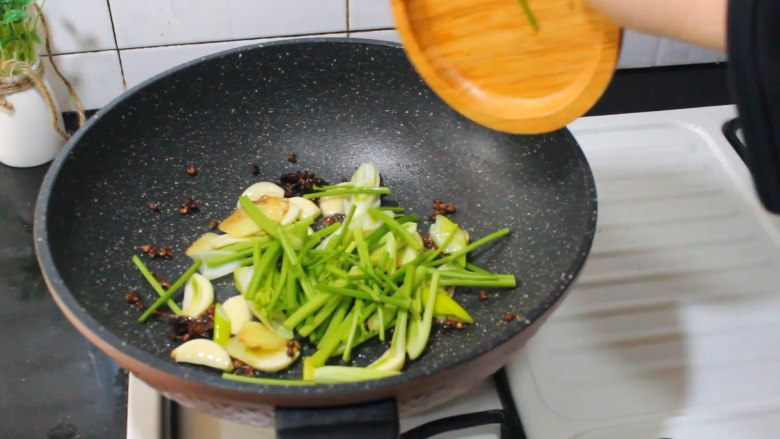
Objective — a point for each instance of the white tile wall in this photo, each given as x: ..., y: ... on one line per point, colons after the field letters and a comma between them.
x: 141, y: 64
x: 151, y: 36
x: 387, y: 35
x: 95, y: 76
x: 370, y: 14
x: 79, y: 25
x: 639, y: 50
x: 142, y: 23
x: 672, y: 52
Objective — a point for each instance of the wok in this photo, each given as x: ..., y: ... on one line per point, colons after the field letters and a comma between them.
x: 336, y: 104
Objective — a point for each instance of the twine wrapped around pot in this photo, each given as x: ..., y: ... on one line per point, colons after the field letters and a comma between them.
x: 32, y: 76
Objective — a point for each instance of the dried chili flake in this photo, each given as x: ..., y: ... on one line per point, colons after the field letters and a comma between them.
x: 255, y: 170
x: 292, y: 157
x: 189, y: 205
x: 165, y: 253
x: 441, y: 208
x: 213, y: 224
x: 163, y: 283
x: 299, y: 183
x: 150, y: 250
x: 482, y: 295
x: 336, y: 218
x: 188, y: 328
x: 509, y: 317
x: 155, y: 207
x: 133, y: 298
x: 427, y: 240
x: 243, y: 369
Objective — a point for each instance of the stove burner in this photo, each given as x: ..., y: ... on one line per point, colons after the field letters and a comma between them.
x: 508, y: 418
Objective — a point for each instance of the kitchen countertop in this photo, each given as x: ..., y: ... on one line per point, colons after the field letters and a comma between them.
x: 57, y: 385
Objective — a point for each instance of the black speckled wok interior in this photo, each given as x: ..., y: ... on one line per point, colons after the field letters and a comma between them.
x: 335, y: 103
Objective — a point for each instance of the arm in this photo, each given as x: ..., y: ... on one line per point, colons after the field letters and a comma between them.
x: 701, y: 22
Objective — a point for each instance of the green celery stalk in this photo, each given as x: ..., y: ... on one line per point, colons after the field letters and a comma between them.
x: 349, y: 191
x: 321, y: 316
x: 266, y: 224
x: 220, y: 260
x: 269, y: 381
x: 418, y: 339
x: 336, y: 320
x: 156, y: 285
x: 504, y: 281
x: 306, y: 310
x: 465, y: 250
x: 352, y: 330
x: 396, y: 227
x: 346, y: 374
x: 169, y: 293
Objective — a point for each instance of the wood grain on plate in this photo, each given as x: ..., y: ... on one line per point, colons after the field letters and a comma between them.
x: 485, y: 59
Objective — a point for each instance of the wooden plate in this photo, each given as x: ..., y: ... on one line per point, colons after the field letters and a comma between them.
x: 485, y: 59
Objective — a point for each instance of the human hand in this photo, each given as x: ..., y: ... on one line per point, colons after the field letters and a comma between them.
x: 701, y: 22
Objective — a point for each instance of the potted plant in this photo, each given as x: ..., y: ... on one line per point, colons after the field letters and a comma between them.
x: 30, y: 120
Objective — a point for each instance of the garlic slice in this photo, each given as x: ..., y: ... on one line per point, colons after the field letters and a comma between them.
x: 275, y: 323
x: 240, y: 225
x: 242, y: 276
x: 257, y: 190
x: 308, y: 208
x: 202, y: 244
x: 198, y: 295
x: 292, y: 214
x: 203, y: 352
x: 237, y: 311
x: 390, y: 360
x: 334, y: 204
x: 223, y: 240
x: 256, y: 335
x: 267, y: 360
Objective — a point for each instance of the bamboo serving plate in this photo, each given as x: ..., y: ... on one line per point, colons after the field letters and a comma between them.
x: 486, y: 60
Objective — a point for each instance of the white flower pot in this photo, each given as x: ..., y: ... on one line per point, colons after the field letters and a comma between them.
x: 26, y: 135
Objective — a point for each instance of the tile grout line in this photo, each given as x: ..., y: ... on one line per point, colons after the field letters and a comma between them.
x: 201, y: 43
x: 116, y: 45
x: 346, y: 8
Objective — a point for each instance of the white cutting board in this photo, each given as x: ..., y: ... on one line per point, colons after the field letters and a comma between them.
x: 673, y: 328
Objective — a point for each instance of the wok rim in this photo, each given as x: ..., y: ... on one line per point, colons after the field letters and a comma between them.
x: 167, y: 371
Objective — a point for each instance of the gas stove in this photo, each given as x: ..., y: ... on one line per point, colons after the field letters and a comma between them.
x: 671, y: 330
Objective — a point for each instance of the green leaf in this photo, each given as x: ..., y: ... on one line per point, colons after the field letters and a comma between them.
x: 13, y: 16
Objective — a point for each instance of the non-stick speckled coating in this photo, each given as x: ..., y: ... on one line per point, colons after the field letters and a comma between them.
x: 335, y: 104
